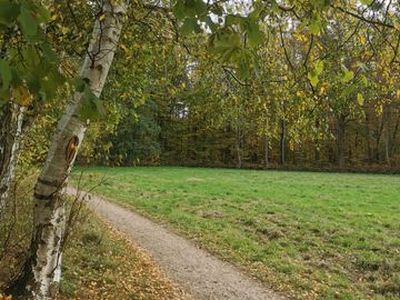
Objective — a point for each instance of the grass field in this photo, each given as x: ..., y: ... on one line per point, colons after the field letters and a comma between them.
x: 311, y: 235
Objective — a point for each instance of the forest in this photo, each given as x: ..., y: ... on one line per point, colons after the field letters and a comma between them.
x: 310, y: 99
x: 252, y: 84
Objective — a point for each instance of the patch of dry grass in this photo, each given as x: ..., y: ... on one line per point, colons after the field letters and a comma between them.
x: 100, y: 263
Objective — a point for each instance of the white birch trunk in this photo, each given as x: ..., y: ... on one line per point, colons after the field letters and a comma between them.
x: 44, y: 266
x: 9, y: 150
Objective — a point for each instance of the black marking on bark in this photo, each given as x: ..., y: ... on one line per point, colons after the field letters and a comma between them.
x: 42, y: 197
x: 53, y: 183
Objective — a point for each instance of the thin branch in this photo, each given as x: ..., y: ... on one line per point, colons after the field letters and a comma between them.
x: 309, y: 50
x: 234, y: 76
x: 284, y: 47
x: 362, y: 18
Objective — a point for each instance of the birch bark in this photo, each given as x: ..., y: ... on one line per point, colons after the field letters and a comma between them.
x: 10, y: 139
x: 41, y: 275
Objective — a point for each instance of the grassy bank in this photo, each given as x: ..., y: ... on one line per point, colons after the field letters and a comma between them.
x: 312, y: 235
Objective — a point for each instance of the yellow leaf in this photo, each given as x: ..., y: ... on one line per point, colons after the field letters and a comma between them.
x: 124, y: 47
x: 300, y: 94
x: 379, y: 109
x: 64, y: 30
x: 360, y: 99
x: 21, y: 95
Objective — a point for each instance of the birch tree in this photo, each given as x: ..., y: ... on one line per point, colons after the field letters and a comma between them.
x: 10, y: 137
x: 41, y: 274
x: 29, y: 69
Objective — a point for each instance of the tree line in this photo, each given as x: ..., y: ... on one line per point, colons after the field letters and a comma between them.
x: 317, y: 100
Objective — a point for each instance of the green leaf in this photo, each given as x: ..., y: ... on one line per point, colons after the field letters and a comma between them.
x: 348, y: 91
x: 15, y: 77
x: 360, y: 99
x: 314, y: 27
x: 254, y: 34
x: 347, y: 76
x: 8, y: 12
x: 50, y: 55
x: 4, y: 97
x: 29, y: 25
x: 244, y: 64
x: 189, y: 8
x: 233, y: 19
x: 88, y: 109
x: 366, y: 2
x: 225, y: 43
x: 5, y: 74
x: 33, y: 82
x: 43, y: 14
x: 31, y: 56
x: 49, y: 84
x: 313, y: 77
x: 92, y: 108
x: 190, y: 25
x: 199, y: 6
x: 179, y: 10
x: 319, y: 67
x: 364, y: 80
x: 321, y: 4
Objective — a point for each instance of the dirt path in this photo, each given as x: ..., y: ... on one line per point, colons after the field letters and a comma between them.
x: 200, y: 273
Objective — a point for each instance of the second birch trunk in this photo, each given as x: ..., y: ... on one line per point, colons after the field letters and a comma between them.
x: 10, y: 139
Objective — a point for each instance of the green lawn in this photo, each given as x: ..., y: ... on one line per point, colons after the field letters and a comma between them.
x: 311, y: 235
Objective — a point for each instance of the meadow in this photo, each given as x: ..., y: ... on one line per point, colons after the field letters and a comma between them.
x: 310, y: 235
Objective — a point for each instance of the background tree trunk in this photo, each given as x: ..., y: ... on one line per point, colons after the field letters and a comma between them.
x: 238, y: 148
x: 41, y: 274
x: 392, y: 144
x: 266, y: 143
x: 282, y: 143
x: 378, y: 139
x: 266, y: 151
x: 317, y: 150
x: 340, y: 140
x: 368, y: 135
x: 10, y: 139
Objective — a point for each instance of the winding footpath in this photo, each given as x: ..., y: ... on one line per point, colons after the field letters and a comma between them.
x: 198, y: 272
